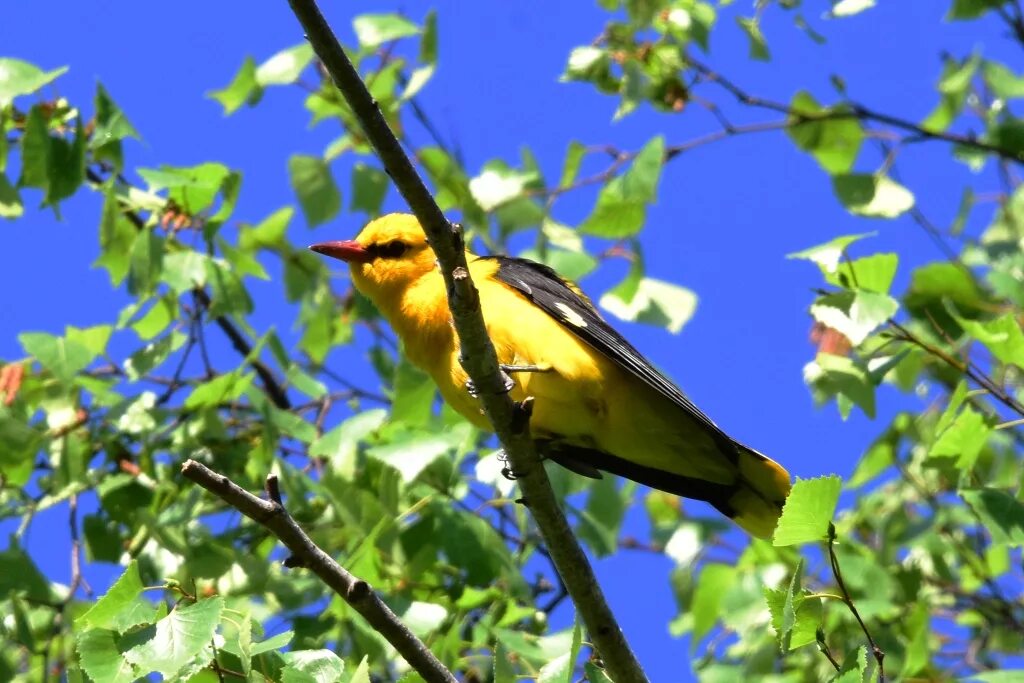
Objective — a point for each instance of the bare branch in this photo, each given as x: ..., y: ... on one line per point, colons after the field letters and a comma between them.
x: 854, y: 111
x: 305, y: 553
x: 478, y: 355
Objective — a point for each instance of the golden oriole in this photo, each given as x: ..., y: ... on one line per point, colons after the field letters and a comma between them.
x: 598, y: 403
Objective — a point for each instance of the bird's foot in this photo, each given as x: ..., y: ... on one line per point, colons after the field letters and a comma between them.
x: 525, y: 368
x: 506, y: 470
x: 508, y: 383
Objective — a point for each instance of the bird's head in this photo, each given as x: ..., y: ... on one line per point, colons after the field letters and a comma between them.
x: 387, y: 255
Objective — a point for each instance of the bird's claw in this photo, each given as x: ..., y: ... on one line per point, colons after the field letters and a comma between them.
x: 506, y: 470
x: 508, y: 382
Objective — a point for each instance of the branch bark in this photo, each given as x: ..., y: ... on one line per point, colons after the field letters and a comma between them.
x: 356, y: 592
x: 478, y: 356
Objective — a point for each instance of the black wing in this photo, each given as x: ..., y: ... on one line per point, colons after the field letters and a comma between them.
x: 569, y: 306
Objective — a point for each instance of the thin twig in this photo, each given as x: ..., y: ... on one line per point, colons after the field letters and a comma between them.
x: 823, y: 647
x: 965, y: 368
x: 277, y: 394
x: 853, y: 110
x: 356, y: 592
x: 834, y: 561
x: 510, y: 420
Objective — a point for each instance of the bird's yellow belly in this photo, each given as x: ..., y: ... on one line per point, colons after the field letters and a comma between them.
x: 587, y: 400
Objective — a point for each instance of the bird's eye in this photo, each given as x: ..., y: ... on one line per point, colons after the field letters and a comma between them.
x: 393, y: 249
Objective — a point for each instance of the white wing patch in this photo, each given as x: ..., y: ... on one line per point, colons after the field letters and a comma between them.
x: 571, y: 316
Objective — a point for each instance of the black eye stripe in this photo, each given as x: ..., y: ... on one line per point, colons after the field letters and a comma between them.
x: 392, y: 249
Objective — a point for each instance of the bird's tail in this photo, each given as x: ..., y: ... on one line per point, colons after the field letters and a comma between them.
x: 760, y: 492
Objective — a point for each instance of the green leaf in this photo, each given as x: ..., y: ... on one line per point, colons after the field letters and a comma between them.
x: 872, y: 196
x: 21, y: 78
x: 284, y: 67
x: 178, y: 638
x: 1000, y: 512
x: 472, y: 545
x: 795, y: 617
x: 963, y: 439
x: 654, y: 302
x: 102, y: 659
x: 874, y: 273
x: 499, y: 184
x: 1002, y: 336
x: 1004, y: 676
x: 410, y: 454
x: 373, y: 30
x: 145, y: 262
x: 111, y: 123
x: 854, y: 667
x: 593, y: 673
x: 194, y: 188
x: 602, y: 518
x: 758, y: 46
x: 808, y: 511
x: 621, y: 204
x: 369, y: 187
x: 60, y: 356
x: 561, y: 668
x: 847, y: 8
x: 340, y: 445
x: 875, y: 460
x: 428, y: 43
x: 20, y: 576
x: 312, y: 181
x: 93, y: 338
x: 827, y: 255
x: 65, y: 166
x: 970, y: 9
x: 316, y: 666
x: 423, y: 618
x: 362, y: 672
x: 122, y: 607
x: 834, y: 142
x: 571, y: 166
x: 269, y: 233
x: 243, y: 89
x: 156, y: 320
x: 35, y: 150
x: 221, y: 389
x: 957, y: 80
x: 184, y: 270
x: 229, y: 294
x: 854, y: 313
x: 504, y: 671
x: 1003, y: 82
x: 414, y: 393
x: 10, y: 201
x: 20, y: 445
x: 272, y: 643
x: 714, y: 582
x: 1008, y: 135
x: 117, y: 235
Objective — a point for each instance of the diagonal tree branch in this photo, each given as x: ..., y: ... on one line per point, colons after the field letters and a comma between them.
x: 356, y: 592
x: 510, y: 420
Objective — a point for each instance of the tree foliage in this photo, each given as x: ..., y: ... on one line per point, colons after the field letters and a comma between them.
x: 915, y: 569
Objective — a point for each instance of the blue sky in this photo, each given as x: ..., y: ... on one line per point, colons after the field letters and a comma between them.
x: 726, y: 215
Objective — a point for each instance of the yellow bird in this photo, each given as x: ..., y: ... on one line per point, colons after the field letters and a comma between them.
x: 598, y: 403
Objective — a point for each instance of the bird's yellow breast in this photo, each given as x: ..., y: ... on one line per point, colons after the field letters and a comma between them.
x: 582, y: 397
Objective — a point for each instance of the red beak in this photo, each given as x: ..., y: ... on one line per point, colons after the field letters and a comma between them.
x: 349, y: 251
